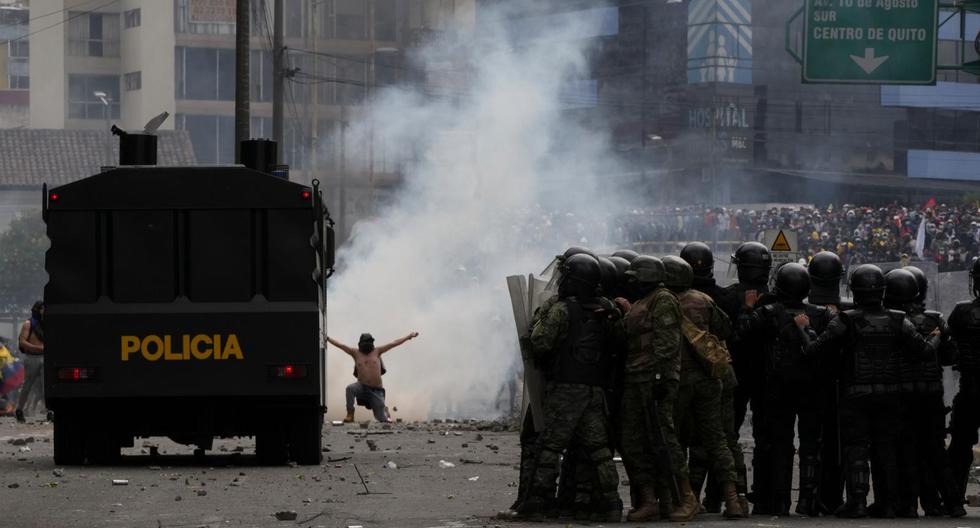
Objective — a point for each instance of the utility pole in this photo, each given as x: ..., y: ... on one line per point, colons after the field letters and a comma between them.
x: 314, y: 113
x: 242, y: 111
x: 278, y: 78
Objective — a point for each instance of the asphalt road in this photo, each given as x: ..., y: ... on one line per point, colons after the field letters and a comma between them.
x: 225, y: 488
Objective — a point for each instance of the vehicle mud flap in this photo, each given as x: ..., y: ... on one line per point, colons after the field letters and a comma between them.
x: 270, y: 446
x: 69, y: 440
x: 102, y: 447
x: 306, y: 438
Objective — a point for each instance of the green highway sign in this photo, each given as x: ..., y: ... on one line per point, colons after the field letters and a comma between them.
x: 870, y: 41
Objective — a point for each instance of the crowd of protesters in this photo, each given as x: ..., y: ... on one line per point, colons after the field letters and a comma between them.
x: 948, y: 235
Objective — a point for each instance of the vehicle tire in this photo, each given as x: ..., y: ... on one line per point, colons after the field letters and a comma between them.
x: 270, y: 447
x: 306, y: 438
x: 102, y: 449
x: 69, y: 440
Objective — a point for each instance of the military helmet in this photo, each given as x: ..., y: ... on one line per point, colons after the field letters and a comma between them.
x: 678, y: 273
x: 647, y: 270
x: 753, y: 261
x: 627, y: 254
x: 901, y: 287
x: 576, y: 250
x: 921, y: 280
x: 608, y: 276
x: 792, y: 282
x: 621, y: 265
x: 868, y: 284
x: 582, y: 267
x: 825, y: 268
x: 699, y: 256
x: 752, y: 255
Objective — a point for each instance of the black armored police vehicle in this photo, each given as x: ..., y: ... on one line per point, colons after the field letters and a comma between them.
x: 186, y: 302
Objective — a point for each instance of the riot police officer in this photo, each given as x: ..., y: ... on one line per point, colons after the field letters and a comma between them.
x: 702, y: 262
x: 702, y: 368
x: 872, y: 341
x: 792, y: 386
x: 964, y: 325
x: 650, y: 388
x: 925, y: 471
x: 753, y: 262
x: 826, y: 272
x: 570, y: 343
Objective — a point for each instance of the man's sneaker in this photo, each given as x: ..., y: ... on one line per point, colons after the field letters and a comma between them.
x: 19, y: 415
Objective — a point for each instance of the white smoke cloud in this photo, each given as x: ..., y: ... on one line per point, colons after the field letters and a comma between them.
x: 493, y: 157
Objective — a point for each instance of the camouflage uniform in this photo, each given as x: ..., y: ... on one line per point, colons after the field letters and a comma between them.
x: 574, y: 407
x: 699, y: 462
x: 652, y: 373
x: 699, y: 401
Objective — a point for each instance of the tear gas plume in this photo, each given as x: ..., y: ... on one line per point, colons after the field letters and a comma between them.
x: 490, y: 153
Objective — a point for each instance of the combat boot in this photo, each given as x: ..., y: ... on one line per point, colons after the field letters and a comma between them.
x: 808, y: 506
x: 535, y: 509
x: 712, y: 496
x: 955, y: 510
x: 854, y: 508
x: 688, y: 506
x: 350, y: 417
x: 648, y: 508
x: 733, y: 507
x: 744, y: 502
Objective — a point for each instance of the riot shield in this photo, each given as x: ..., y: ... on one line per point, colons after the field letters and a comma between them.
x: 517, y: 285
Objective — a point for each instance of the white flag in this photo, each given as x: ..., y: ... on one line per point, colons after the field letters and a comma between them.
x: 920, y: 238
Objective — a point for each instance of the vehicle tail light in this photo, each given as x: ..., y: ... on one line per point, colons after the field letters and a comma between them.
x: 288, y: 371
x: 76, y: 373
x: 306, y: 195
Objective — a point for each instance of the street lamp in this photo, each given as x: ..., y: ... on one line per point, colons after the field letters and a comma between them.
x: 104, y: 97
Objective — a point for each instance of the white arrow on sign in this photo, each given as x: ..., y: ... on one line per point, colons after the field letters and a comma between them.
x: 869, y: 62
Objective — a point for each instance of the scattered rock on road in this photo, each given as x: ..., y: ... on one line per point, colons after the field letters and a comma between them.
x: 286, y: 516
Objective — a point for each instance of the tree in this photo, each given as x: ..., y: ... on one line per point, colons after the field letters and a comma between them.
x: 22, y: 275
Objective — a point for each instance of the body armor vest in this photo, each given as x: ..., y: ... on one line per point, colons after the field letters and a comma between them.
x: 582, y: 357
x: 786, y: 360
x: 965, y: 323
x: 875, y: 352
x: 923, y: 374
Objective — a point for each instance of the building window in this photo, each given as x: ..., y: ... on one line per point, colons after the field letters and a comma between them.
x: 213, y: 137
x: 260, y: 71
x: 131, y: 18
x: 719, y: 41
x: 18, y: 72
x: 351, y: 19
x: 354, y: 80
x: 295, y: 18
x: 133, y: 81
x: 82, y: 101
x: 384, y: 20
x: 93, y: 34
x: 206, y: 74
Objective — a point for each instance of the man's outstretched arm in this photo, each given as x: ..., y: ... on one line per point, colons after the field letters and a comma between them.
x: 350, y: 351
x: 384, y: 348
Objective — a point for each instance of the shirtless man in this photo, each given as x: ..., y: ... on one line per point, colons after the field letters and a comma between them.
x: 368, y: 370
